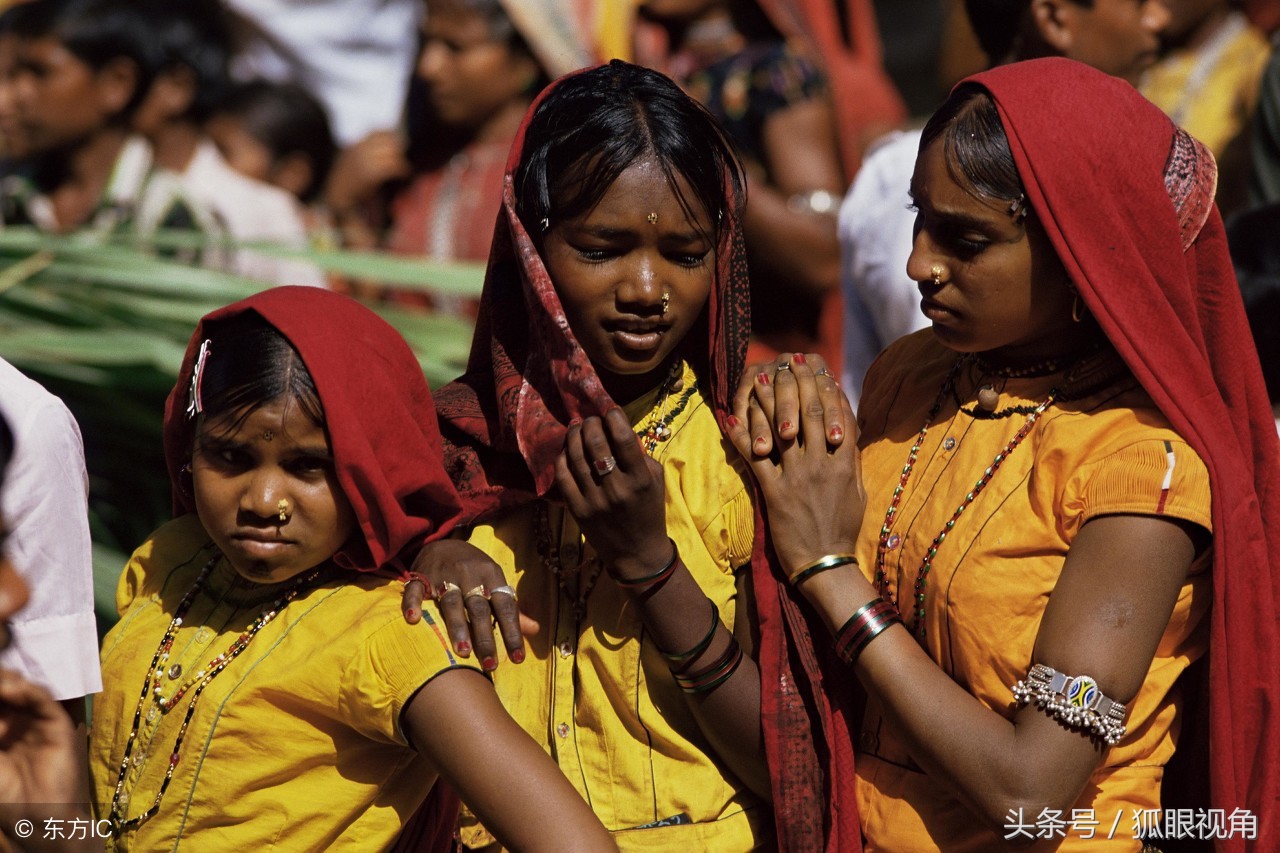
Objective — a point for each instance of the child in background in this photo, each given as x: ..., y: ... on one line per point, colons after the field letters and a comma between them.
x: 262, y: 687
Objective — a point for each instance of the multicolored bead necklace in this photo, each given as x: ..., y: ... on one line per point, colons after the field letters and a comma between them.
x: 882, y: 547
x: 151, y: 686
x: 659, y: 429
x: 549, y: 552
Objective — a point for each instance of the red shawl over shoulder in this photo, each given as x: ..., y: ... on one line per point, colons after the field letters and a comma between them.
x: 1100, y: 165
x: 504, y: 423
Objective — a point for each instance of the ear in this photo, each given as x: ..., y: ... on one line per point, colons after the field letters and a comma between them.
x: 1055, y: 23
x: 293, y: 173
x: 117, y: 81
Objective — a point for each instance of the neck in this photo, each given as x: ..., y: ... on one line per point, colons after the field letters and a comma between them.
x: 175, y: 145
x: 86, y: 164
x: 1043, y: 357
x: 624, y: 390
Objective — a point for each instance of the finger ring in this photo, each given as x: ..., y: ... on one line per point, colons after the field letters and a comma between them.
x: 410, y: 577
x: 505, y: 589
x: 476, y: 590
x: 786, y: 365
x: 445, y: 588
x: 822, y: 372
x: 605, y: 466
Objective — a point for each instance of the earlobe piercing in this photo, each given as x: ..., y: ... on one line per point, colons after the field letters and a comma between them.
x: 936, y: 272
x: 282, y: 510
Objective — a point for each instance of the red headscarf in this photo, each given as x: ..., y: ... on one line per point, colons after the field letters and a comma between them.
x: 1126, y: 199
x: 378, y: 413
x: 504, y: 423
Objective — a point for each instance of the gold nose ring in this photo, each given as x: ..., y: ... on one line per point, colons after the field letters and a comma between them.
x: 282, y: 510
x: 936, y: 272
x: 666, y: 301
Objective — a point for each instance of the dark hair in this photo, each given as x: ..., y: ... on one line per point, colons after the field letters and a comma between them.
x: 6, y: 450
x: 96, y: 32
x: 250, y: 364
x: 191, y: 34
x: 977, y: 149
x: 596, y: 123
x: 997, y: 23
x: 287, y: 119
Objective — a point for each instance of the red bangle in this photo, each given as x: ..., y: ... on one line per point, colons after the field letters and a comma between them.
x: 867, y: 623
x: 715, y: 674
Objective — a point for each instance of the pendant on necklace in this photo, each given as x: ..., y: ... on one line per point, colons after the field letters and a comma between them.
x: 175, y: 672
x: 662, y: 432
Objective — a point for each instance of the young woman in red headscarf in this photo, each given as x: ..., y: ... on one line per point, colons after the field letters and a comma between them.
x: 1072, y: 493
x: 665, y: 676
x: 261, y: 686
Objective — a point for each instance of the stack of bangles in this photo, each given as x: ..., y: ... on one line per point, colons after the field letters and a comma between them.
x: 868, y: 622
x: 712, y: 676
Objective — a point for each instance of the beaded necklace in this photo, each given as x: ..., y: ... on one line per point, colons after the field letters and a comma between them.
x: 882, y: 546
x: 202, y: 678
x: 659, y: 429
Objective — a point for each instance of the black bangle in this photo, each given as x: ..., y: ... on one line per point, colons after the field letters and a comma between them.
x: 714, y: 675
x: 702, y: 644
x: 656, y: 578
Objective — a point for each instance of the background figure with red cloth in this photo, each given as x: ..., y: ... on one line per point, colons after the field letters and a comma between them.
x: 1072, y: 485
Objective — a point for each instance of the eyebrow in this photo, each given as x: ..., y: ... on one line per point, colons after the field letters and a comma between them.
x: 953, y: 217
x: 318, y: 451
x: 605, y: 232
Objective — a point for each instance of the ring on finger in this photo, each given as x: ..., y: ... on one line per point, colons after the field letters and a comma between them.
x: 412, y: 577
x: 476, y: 590
x: 505, y: 589
x: 605, y: 465
x: 445, y: 588
x: 786, y: 365
x: 823, y: 372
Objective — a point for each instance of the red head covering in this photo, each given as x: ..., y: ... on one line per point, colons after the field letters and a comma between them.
x: 504, y: 423
x: 1126, y: 199
x: 378, y: 413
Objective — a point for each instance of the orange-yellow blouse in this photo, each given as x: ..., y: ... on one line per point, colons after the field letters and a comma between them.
x: 1106, y: 453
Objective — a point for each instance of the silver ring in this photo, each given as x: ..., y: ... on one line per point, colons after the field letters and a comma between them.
x: 476, y: 590
x: 786, y: 365
x: 605, y: 466
x: 822, y: 372
x: 505, y: 589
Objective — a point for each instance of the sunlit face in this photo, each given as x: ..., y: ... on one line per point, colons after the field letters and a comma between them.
x: 470, y: 76
x: 612, y: 265
x: 1003, y: 290
x: 242, y: 472
x: 243, y: 152
x: 1120, y: 37
x: 60, y: 99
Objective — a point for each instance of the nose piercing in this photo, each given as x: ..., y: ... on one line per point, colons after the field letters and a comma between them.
x: 666, y: 300
x: 653, y: 218
x: 282, y: 510
x: 936, y: 272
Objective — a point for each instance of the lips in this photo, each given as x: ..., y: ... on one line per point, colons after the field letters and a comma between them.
x: 635, y: 334
x: 260, y: 545
x: 935, y: 311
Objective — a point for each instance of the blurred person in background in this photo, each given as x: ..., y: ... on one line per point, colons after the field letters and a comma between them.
x: 881, y: 303
x: 760, y: 68
x: 189, y: 50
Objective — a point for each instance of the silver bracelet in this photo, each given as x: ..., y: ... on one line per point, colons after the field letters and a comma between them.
x: 1073, y: 700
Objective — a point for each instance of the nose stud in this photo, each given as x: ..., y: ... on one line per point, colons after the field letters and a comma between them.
x: 666, y: 300
x: 936, y: 272
x: 282, y: 510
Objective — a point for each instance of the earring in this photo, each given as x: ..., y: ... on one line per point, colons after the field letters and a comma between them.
x: 282, y: 509
x: 666, y: 300
x: 1078, y: 311
x: 652, y: 218
x: 936, y: 272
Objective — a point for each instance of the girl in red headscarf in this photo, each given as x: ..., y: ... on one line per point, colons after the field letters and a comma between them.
x: 1073, y: 486
x: 262, y: 687
x: 667, y: 675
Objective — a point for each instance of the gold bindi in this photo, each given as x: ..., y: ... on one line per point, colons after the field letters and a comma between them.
x: 652, y: 218
x: 268, y: 435
x: 282, y: 510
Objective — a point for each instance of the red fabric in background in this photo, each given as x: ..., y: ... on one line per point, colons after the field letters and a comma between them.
x: 1092, y: 152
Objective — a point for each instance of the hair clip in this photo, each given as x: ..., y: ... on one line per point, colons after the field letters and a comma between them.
x: 194, y: 404
x: 545, y: 223
x: 1018, y: 208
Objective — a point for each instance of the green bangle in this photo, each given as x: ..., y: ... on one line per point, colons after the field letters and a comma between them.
x: 702, y: 644
x: 820, y: 565
x: 652, y: 579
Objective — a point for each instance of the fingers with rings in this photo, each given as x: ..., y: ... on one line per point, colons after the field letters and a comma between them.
x: 505, y: 589
x: 605, y: 466
x: 476, y: 600
x: 786, y: 415
x: 474, y: 591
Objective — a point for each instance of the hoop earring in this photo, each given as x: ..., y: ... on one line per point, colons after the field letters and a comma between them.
x: 1078, y: 311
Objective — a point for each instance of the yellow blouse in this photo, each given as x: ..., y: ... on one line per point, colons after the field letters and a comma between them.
x: 595, y: 692
x: 296, y: 745
x: 1107, y: 453
x: 1212, y: 91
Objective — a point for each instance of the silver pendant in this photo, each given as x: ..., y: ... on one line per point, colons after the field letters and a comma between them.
x: 662, y: 432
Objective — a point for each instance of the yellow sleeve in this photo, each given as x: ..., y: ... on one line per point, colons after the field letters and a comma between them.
x: 171, y: 547
x: 394, y: 661
x: 1151, y: 476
